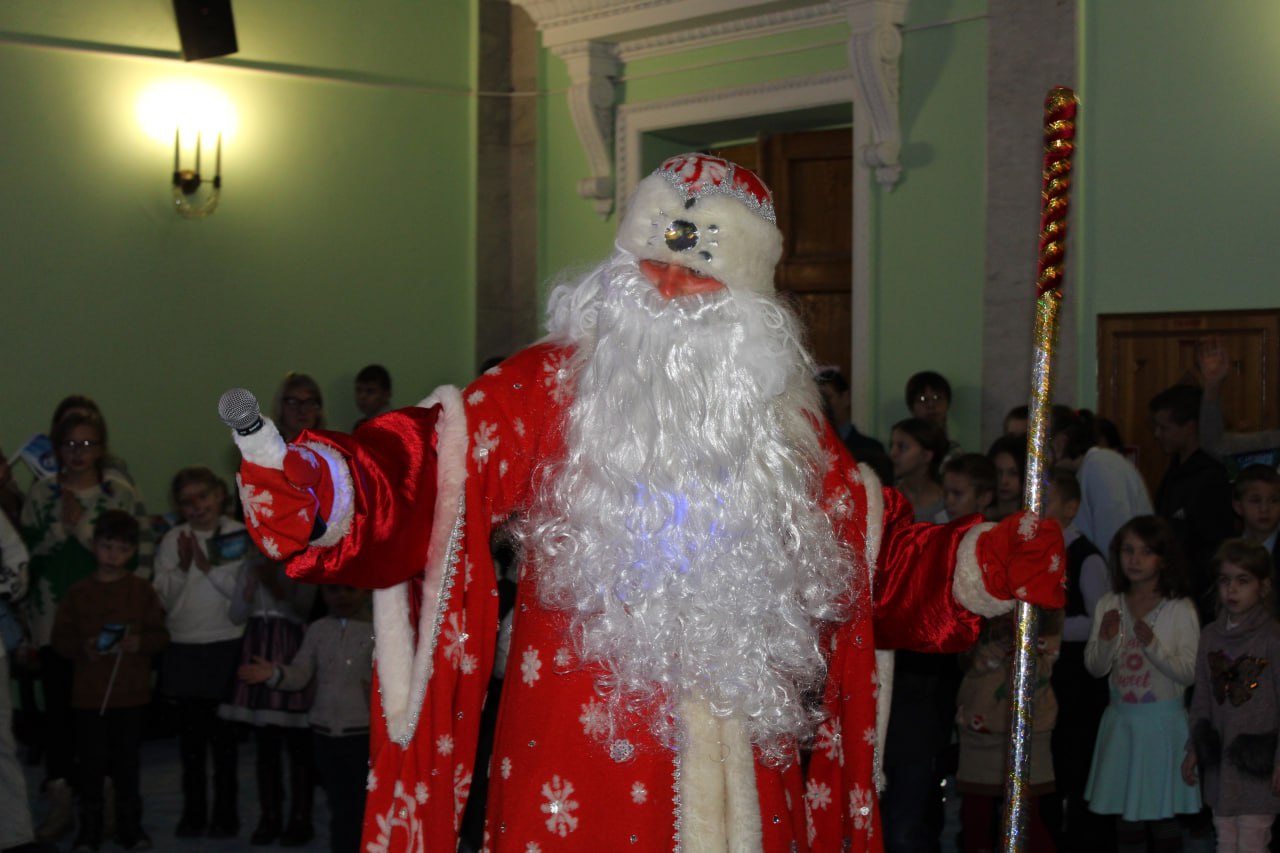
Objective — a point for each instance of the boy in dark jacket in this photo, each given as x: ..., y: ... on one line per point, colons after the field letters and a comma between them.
x: 110, y: 625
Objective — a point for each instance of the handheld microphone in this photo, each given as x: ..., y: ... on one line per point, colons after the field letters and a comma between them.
x: 239, y: 410
x: 257, y: 437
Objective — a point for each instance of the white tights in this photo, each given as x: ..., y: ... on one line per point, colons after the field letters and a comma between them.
x: 1246, y: 833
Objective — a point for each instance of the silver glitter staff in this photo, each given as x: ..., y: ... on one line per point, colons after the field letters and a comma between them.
x: 1059, y: 146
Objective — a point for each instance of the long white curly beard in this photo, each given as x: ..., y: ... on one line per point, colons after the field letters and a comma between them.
x: 682, y: 529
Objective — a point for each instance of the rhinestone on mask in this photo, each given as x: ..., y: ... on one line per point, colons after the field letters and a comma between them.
x: 681, y: 235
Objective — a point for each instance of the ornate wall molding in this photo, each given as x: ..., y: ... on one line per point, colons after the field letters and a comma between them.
x: 593, y: 68
x: 595, y: 38
x: 727, y: 31
x: 875, y: 47
x: 562, y: 21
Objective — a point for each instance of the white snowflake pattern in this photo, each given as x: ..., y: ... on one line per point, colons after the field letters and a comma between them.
x: 817, y: 794
x: 304, y: 515
x: 475, y: 397
x: 461, y: 788
x: 701, y: 171
x: 555, y: 372
x: 517, y: 424
x: 529, y: 666
x: 371, y: 781
x: 594, y: 719
x: 444, y: 744
x: 486, y: 440
x: 869, y: 736
x: 401, y: 816
x: 830, y: 740
x: 257, y: 503
x: 420, y: 792
x: 558, y: 807
x: 505, y: 768
x: 455, y: 650
x: 1027, y: 526
x: 1055, y: 564
x: 639, y: 794
x: 562, y: 658
x: 269, y: 545
x: 860, y: 806
x: 839, y: 509
x: 502, y: 468
x: 533, y: 847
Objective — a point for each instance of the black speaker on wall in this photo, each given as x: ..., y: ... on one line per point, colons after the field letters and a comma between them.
x: 205, y: 28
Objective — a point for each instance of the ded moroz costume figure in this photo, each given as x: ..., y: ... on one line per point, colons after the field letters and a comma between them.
x: 707, y: 574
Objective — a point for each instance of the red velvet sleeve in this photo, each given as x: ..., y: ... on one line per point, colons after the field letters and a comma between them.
x: 392, y: 460
x: 914, y: 605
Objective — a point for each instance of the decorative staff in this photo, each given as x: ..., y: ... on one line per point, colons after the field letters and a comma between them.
x: 1059, y: 146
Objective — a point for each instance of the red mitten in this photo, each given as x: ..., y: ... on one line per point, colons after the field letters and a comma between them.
x: 281, y: 506
x: 1023, y: 557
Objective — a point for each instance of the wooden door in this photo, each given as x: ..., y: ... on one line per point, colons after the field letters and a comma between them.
x: 1140, y: 355
x: 811, y: 176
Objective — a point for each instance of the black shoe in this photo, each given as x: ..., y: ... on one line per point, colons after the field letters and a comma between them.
x: 267, y: 832
x: 224, y: 827
x: 298, y: 833
x: 190, y: 827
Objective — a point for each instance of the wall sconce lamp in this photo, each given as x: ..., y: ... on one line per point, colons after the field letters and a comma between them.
x: 183, y: 112
x: 187, y: 183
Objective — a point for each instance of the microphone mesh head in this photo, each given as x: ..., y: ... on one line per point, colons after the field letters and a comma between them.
x: 238, y: 408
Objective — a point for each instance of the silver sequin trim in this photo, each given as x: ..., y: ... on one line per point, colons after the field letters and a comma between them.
x: 725, y: 187
x: 452, y: 558
x: 677, y: 844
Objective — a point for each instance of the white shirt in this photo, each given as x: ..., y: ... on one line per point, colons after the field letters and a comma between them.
x: 1141, y: 674
x: 1111, y: 492
x: 197, y: 603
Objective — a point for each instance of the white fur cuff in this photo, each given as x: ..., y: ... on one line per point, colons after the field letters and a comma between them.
x: 339, y: 520
x: 264, y: 447
x: 967, y: 586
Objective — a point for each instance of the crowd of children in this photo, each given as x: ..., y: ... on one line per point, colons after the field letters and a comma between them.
x: 1116, y: 759
x: 225, y: 637
x: 1142, y: 719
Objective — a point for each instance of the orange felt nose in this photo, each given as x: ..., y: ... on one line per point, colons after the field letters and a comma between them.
x: 672, y: 280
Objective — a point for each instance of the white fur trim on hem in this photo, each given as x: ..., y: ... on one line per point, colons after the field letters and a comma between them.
x: 339, y: 520
x: 264, y: 447
x: 719, y: 803
x: 967, y: 586
x: 404, y: 668
x: 875, y: 517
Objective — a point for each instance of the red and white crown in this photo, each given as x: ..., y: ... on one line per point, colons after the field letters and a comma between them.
x: 707, y: 214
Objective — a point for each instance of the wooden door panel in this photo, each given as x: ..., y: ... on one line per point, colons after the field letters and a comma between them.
x: 1140, y: 355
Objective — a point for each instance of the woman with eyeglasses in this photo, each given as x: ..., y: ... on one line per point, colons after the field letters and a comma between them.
x: 299, y: 405
x: 57, y: 524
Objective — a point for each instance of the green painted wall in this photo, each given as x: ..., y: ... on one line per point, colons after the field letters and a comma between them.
x: 929, y: 232
x: 345, y: 233
x: 1180, y: 131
